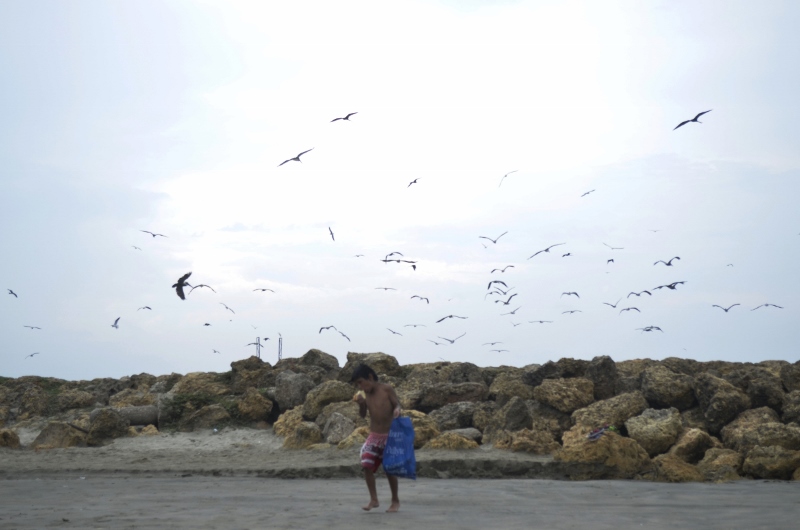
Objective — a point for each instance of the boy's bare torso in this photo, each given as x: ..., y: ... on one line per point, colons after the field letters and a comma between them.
x: 380, y: 404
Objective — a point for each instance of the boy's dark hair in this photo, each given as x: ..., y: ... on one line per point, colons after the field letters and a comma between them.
x: 363, y: 371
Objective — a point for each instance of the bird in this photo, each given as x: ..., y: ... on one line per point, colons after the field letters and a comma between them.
x: 396, y: 333
x: 567, y: 254
x: 503, y: 269
x: 515, y: 324
x: 490, y: 343
x: 386, y: 288
x: 729, y: 265
x: 206, y: 324
x: 263, y: 289
x: 548, y: 249
x: 587, y: 193
x: 415, y: 325
x: 654, y: 231
x: 437, y: 343
x: 115, y: 325
x: 451, y: 316
x: 507, y: 301
x: 494, y: 240
x: 12, y: 292
x: 228, y: 308
x: 499, y: 351
x: 254, y: 327
x: 573, y: 311
x: 571, y: 292
x: 32, y: 327
x: 390, y: 254
x: 346, y: 118
x: 413, y: 182
x: 328, y: 327
x: 667, y: 263
x: 613, y: 305
x: 540, y: 321
x: 421, y: 298
x: 767, y: 305
x: 145, y: 307
x: 512, y: 312
x: 504, y: 176
x: 497, y: 290
x: 180, y: 284
x: 215, y: 351
x: 650, y: 328
x: 725, y: 309
x: 398, y: 261
x: 31, y: 355
x: 614, y: 248
x: 671, y: 286
x: 296, y: 159
x: 200, y: 285
x: 629, y: 309
x: 345, y: 336
x: 152, y: 233
x: 639, y: 293
x: 137, y: 248
x: 451, y: 341
x: 497, y: 281
x: 681, y: 124
x: 359, y: 255
x: 610, y: 261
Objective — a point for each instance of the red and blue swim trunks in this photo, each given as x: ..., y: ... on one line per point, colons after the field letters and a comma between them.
x: 372, y: 451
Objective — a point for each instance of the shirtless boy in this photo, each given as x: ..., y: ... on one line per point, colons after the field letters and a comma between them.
x: 383, y: 406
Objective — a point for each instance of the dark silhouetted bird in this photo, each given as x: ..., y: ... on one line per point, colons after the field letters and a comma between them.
x: 264, y: 289
x: 681, y: 124
x: 115, y: 325
x: 587, y: 193
x: 450, y: 316
x: 497, y: 281
x: 493, y: 240
x: 421, y: 298
x: 504, y: 176
x: 490, y: 343
x: 570, y: 293
x: 201, y: 285
x: 206, y: 324
x: 412, y: 182
x: 137, y: 248
x: 640, y: 293
x: 396, y: 333
x: 512, y: 312
x: 629, y: 309
x: 331, y: 231
x: 650, y: 328
x: 547, y: 249
x: 152, y: 234
x: 228, y: 308
x: 507, y: 301
x: 386, y: 288
x: 295, y: 159
x: 180, y: 285
x: 451, y: 341
x: 12, y: 292
x: 32, y: 327
x: 667, y: 263
x: 31, y: 355
x: 726, y: 309
x: 346, y: 118
x: 671, y: 286
x: 573, y: 311
x: 145, y: 307
x: 540, y: 321
x: 613, y: 305
x: 503, y: 269
x: 767, y: 305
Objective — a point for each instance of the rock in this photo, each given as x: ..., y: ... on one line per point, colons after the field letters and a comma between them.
x: 143, y: 415
x: 563, y: 368
x: 484, y: 412
x: 791, y: 407
x: 721, y: 401
x: 655, y: 430
x: 796, y: 474
x: 424, y: 427
x: 470, y: 432
x: 208, y: 417
x: 663, y: 388
x: 760, y: 427
x: 131, y: 398
x: 682, y: 366
x: 515, y: 415
x: 205, y: 383
x: 536, y: 442
x: 325, y: 394
x: 33, y: 402
x: 337, y: 428
x: 323, y: 360
x: 107, y: 425
x: 426, y: 385
x: 250, y: 364
x: 319, y: 447
x: 763, y: 388
x: 454, y: 416
x: 5, y: 414
x: 790, y: 376
x: 306, y: 434
x: 623, y: 457
x: 74, y: 399
x: 566, y: 395
x: 251, y: 373
x: 506, y: 385
x: 348, y: 409
x: 546, y: 418
x: 380, y: 362
x: 692, y: 445
x: 132, y: 432
x: 291, y: 389
x: 602, y: 372
x: 670, y: 468
x: 720, y: 465
x: 253, y: 406
x: 490, y: 373
x: 58, y: 434
x: 440, y: 394
x: 773, y: 462
x: 451, y: 440
x: 149, y: 430
x: 629, y: 374
x: 288, y: 422
x: 9, y: 439
x: 694, y: 418
x: 614, y: 411
x: 356, y: 438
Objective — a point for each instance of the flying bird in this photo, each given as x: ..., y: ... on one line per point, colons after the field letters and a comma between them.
x: 200, y: 285
x: 548, y: 249
x: 412, y: 182
x: 264, y: 289
x: 504, y: 176
x: 145, y: 307
x: 328, y: 327
x: 331, y: 231
x: 613, y: 305
x: 206, y: 324
x: 346, y: 118
x: 650, y: 328
x: 295, y: 159
x: 32, y: 327
x: 767, y: 305
x: 515, y: 324
x: 496, y: 281
x: 359, y: 255
x: 451, y: 316
x: 503, y: 269
x: 725, y: 309
x: 386, y: 288
x: 451, y: 341
x: 567, y: 254
x: 640, y: 293
x: 152, y: 234
x: 415, y: 325
x: 587, y: 193
x: 614, y: 248
x: 610, y: 261
x: 396, y: 333
x: 667, y: 263
x: 507, y: 301
x: 345, y: 336
x: 629, y: 309
x: 215, y: 351
x: 571, y: 292
x: 573, y: 311
x: 137, y: 248
x: 228, y: 308
x: 681, y: 124
x: 180, y: 284
x: 540, y: 321
x: 671, y: 286
x: 499, y: 351
x: 494, y: 240
x: 490, y: 343
x: 31, y: 355
x: 512, y: 312
x: 421, y: 298
x: 390, y: 254
x: 12, y: 292
x: 437, y: 343
x: 115, y: 325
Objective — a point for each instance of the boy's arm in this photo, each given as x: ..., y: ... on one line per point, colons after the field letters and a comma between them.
x: 362, y: 406
x: 396, y: 409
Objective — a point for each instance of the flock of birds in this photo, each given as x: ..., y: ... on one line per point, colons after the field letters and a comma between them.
x: 498, y: 289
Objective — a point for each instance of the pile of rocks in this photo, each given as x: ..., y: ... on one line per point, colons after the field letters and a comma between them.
x: 676, y: 419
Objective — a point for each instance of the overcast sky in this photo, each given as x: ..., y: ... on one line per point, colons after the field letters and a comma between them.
x: 117, y: 117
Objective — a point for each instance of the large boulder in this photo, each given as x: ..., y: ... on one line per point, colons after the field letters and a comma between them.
x: 33, y: 402
x: 791, y: 408
x: 356, y: 438
x: 514, y: 416
x: 424, y: 427
x: 529, y: 441
x: 454, y: 416
x: 506, y: 385
x: 337, y: 428
x: 622, y: 457
x: 380, y: 362
x: 772, y: 462
x: 670, y: 468
x: 663, y: 388
x: 566, y: 395
x: 470, y: 432
x: 682, y: 366
x: 57, y: 434
x: 602, y: 372
x: 348, y: 409
x: 440, y: 394
x: 655, y: 430
x: 721, y: 465
x: 721, y: 401
x: 760, y: 427
x: 762, y: 386
x: 694, y: 418
x: 629, y: 374
x: 208, y: 417
x: 288, y: 422
x: 425, y: 386
x: 253, y: 406
x: 546, y: 418
x: 131, y: 397
x: 563, y: 368
x: 325, y: 394
x: 251, y: 373
x: 451, y: 440
x: 306, y: 434
x: 9, y: 439
x: 107, y: 425
x: 692, y: 445
x: 614, y: 411
x: 74, y: 399
x: 790, y: 376
x: 291, y: 389
x: 204, y: 383
x: 319, y: 358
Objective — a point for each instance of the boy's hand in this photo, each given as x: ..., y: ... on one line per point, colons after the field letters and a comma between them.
x: 359, y: 397
x: 396, y: 413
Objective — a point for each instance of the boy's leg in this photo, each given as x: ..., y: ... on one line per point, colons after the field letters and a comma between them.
x: 369, y: 476
x: 395, y: 499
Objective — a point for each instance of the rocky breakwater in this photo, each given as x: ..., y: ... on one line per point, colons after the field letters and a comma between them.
x: 674, y: 420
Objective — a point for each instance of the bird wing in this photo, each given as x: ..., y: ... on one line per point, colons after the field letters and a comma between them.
x: 184, y: 277
x: 179, y: 290
x: 282, y: 163
x: 146, y: 232
x: 660, y: 261
x: 351, y: 114
x: 304, y: 152
x: 704, y: 112
x: 537, y: 253
x: 681, y: 124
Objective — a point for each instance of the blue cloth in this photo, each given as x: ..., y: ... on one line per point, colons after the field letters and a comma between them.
x: 398, y: 456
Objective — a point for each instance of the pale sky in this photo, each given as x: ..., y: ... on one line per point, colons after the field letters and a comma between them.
x: 172, y: 117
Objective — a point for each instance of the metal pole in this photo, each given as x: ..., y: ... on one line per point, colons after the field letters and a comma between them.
x: 280, y: 346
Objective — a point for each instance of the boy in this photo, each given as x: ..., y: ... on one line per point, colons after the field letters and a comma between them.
x: 383, y: 405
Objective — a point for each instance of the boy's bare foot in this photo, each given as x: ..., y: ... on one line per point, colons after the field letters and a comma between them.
x: 372, y: 504
x: 394, y: 507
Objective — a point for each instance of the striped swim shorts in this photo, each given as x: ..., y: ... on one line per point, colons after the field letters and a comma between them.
x: 372, y: 451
